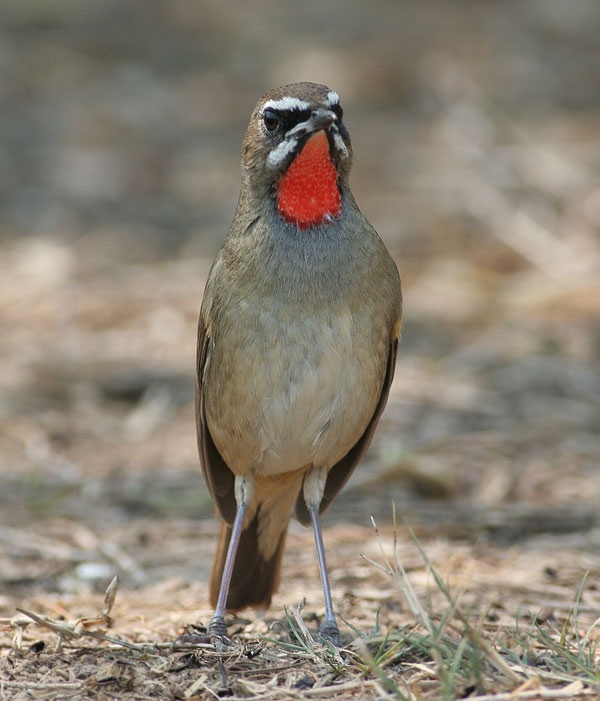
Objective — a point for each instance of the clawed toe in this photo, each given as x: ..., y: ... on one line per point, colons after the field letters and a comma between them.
x: 217, y: 633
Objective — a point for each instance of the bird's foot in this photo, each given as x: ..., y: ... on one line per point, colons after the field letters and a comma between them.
x: 217, y: 632
x: 194, y: 635
x: 330, y: 632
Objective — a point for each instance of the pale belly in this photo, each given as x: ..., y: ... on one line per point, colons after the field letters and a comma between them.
x: 294, y: 394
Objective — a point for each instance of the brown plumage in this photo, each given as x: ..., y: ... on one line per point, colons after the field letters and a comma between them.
x: 297, y: 343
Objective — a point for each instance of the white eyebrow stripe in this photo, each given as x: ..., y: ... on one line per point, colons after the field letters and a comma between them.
x: 332, y: 98
x: 286, y: 103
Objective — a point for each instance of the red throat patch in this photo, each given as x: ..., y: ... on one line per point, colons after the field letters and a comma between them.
x: 308, y: 192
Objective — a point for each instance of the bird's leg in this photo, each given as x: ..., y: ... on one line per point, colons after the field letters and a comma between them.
x: 329, y: 628
x: 314, y: 486
x: 244, y: 490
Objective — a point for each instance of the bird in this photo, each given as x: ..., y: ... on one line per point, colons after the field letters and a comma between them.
x: 297, y: 342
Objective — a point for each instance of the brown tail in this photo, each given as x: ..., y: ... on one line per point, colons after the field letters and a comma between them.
x: 255, y: 578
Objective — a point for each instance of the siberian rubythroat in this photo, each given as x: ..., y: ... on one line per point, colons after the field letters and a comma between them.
x: 297, y: 344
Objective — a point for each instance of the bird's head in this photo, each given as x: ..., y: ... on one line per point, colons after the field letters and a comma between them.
x: 297, y: 153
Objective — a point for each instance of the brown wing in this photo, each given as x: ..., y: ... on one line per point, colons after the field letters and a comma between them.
x: 341, y: 471
x: 219, y: 478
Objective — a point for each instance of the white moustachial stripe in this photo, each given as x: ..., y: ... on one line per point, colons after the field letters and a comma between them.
x: 281, y: 152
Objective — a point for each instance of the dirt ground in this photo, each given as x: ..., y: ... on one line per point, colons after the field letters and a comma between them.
x: 477, y: 158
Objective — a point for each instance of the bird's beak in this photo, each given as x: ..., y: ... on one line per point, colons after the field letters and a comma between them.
x: 319, y: 119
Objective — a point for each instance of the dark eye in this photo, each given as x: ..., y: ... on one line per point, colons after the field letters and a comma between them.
x: 338, y: 111
x: 270, y: 119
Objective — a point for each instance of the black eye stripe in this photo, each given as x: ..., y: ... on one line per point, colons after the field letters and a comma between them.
x: 289, y: 118
x: 280, y: 121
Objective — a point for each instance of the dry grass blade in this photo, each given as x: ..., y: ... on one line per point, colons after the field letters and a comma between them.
x: 335, y: 689
x: 401, y: 579
x: 40, y: 686
x: 18, y: 624
x: 81, y: 627
x: 523, y: 693
x: 109, y: 599
x: 301, y: 627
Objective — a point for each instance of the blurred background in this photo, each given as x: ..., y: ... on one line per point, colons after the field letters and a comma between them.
x: 477, y: 158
